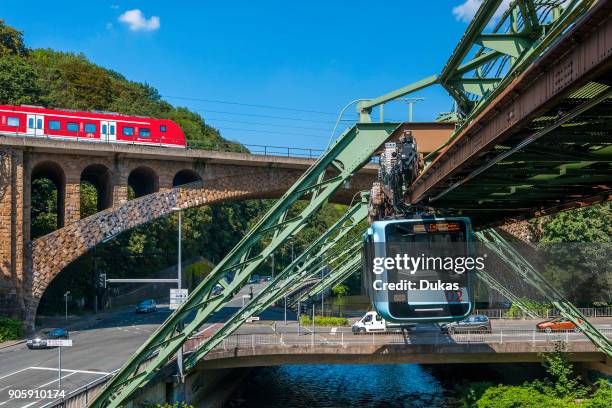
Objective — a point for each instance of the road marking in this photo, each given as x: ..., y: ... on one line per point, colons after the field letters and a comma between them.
x: 70, y: 371
x: 16, y: 372
x: 40, y: 386
x: 333, y: 331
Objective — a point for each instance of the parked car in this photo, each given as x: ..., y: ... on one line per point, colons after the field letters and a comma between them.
x: 560, y: 323
x: 265, y: 279
x: 474, y: 323
x: 40, y: 342
x: 146, y: 306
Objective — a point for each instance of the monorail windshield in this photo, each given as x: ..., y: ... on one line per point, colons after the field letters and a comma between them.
x: 416, y: 269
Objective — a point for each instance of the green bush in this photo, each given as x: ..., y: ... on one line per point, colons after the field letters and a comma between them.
x: 10, y: 329
x: 324, y: 321
x: 505, y: 396
x: 602, y: 397
x: 532, y: 305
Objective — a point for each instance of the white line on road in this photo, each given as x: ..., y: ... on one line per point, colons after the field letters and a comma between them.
x: 16, y: 372
x: 70, y: 371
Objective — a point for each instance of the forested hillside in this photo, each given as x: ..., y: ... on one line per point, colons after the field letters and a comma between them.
x: 67, y: 80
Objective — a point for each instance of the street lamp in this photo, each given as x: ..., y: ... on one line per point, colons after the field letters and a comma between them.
x: 179, y: 353
x: 66, y: 300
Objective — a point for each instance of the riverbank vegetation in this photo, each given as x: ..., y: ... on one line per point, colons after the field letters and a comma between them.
x: 10, y: 329
x: 561, y: 388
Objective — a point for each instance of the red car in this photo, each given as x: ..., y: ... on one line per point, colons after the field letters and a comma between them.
x: 108, y: 127
x: 558, y: 324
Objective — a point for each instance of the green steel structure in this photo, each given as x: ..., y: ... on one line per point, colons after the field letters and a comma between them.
x: 350, y: 152
x: 484, y: 62
x: 505, y: 251
x: 492, y: 52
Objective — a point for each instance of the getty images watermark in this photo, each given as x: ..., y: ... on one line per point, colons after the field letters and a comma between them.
x: 427, y: 266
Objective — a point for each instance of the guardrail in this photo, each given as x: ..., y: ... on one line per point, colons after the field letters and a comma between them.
x: 545, y: 313
x: 80, y: 397
x: 263, y: 150
x: 390, y: 338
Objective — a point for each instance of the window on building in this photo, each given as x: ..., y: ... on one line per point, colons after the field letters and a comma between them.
x: 72, y: 127
x: 54, y: 125
x: 128, y: 131
x: 90, y: 128
x: 13, y: 121
x: 162, y: 128
x: 144, y: 132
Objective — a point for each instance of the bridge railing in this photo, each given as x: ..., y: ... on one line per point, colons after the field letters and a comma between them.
x: 543, y: 313
x: 306, y: 338
x: 263, y: 150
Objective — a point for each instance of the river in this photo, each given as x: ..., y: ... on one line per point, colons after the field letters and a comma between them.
x: 406, y: 385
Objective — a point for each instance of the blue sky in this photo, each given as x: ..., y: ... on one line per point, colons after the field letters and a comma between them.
x: 315, y: 56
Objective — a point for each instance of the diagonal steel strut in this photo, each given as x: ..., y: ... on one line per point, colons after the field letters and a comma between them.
x: 497, y: 244
x: 350, y: 152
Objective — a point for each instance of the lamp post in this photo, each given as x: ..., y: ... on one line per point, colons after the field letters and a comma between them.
x: 66, y: 301
x: 179, y: 353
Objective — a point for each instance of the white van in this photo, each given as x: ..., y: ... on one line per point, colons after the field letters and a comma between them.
x: 372, y: 322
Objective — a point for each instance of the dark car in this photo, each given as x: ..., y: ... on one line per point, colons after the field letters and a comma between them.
x: 254, y: 279
x: 217, y: 290
x: 265, y: 279
x: 146, y: 306
x: 474, y: 323
x: 40, y: 342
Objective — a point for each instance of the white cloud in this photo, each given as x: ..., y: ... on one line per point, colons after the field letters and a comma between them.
x: 136, y: 21
x: 467, y: 10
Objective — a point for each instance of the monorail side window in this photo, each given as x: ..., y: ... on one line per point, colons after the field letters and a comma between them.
x: 54, y: 125
x: 90, y: 128
x: 144, y: 132
x: 12, y: 121
x: 72, y: 127
x: 128, y: 131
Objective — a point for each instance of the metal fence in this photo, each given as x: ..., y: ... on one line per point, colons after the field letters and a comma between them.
x: 264, y: 150
x: 254, y: 341
x: 543, y: 313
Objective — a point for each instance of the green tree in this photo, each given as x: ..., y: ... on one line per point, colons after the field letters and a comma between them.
x: 11, y: 41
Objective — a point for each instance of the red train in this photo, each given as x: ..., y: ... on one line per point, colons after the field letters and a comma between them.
x: 36, y: 121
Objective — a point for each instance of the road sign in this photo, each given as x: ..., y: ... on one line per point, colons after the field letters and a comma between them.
x: 59, y: 343
x: 178, y: 297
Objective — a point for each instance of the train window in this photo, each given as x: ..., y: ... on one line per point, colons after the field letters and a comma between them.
x: 144, y: 132
x: 112, y: 130
x: 72, y: 127
x: 39, y: 124
x: 162, y: 128
x: 31, y: 123
x: 90, y: 128
x: 104, y: 127
x: 13, y: 121
x: 128, y: 131
x: 54, y: 125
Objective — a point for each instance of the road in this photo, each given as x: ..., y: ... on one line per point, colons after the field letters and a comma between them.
x: 103, y: 347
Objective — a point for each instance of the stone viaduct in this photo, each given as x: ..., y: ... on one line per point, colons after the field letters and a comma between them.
x: 160, y: 179
x: 155, y: 176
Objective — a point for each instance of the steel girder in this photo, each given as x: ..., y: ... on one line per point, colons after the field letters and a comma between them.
x: 350, y: 152
x: 494, y: 284
x: 487, y: 59
x: 337, y: 275
x: 322, y: 251
x: 498, y: 245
